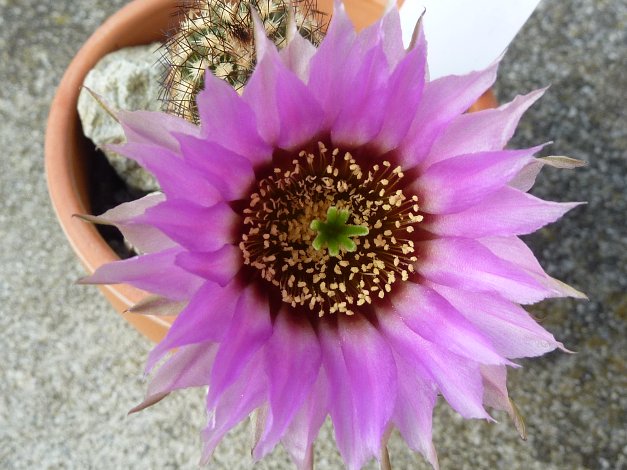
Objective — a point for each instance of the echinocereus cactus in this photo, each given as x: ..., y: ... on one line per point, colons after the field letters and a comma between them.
x: 218, y: 35
x: 340, y: 240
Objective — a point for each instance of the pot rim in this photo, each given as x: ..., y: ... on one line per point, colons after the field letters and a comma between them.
x: 65, y: 173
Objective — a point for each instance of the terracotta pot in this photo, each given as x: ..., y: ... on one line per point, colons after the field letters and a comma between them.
x: 67, y: 151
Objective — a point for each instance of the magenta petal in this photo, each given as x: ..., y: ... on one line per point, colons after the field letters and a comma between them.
x: 509, y: 327
x: 177, y: 179
x: 250, y: 329
x: 362, y: 380
x: 206, y: 318
x: 227, y: 120
x: 292, y: 358
x: 458, y: 183
x: 405, y: 89
x: 443, y: 100
x: 360, y: 101
x: 506, y: 212
x: 300, y: 114
x: 304, y: 428
x: 328, y: 65
x: 386, y: 33
x: 195, y: 227
x: 144, y: 238
x: 145, y: 127
x: 482, y: 131
x: 263, y: 44
x: 413, y: 414
x: 393, y: 37
x: 236, y: 404
x: 298, y: 52
x: 436, y: 320
x: 347, y: 434
x: 513, y: 250
x: 371, y: 376
x: 458, y: 379
x: 189, y: 367
x: 468, y: 265
x: 297, y: 55
x: 359, y: 88
x: 172, y: 281
x: 218, y: 266
x: 367, y: 39
x: 287, y: 113
x: 228, y: 172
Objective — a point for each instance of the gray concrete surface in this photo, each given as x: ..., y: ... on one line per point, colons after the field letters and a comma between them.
x: 70, y: 368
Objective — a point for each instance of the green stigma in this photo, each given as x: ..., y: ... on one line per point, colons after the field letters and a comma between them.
x: 335, y: 233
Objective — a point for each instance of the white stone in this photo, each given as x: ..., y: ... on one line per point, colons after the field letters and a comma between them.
x: 127, y: 79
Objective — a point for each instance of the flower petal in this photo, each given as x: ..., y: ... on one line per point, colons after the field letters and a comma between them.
x: 206, y: 318
x: 468, y: 265
x: 195, y: 227
x: 459, y: 379
x: 144, y: 238
x: 234, y: 405
x: 413, y: 413
x: 158, y: 306
x: 495, y: 394
x: 139, y: 271
x: 292, y: 358
x: 150, y: 128
x: 362, y: 378
x: 218, y: 266
x: 328, y: 65
x: 506, y: 212
x: 177, y: 179
x: 302, y: 431
x: 404, y: 90
x: 497, y: 397
x: 458, y: 183
x: 228, y: 172
x: 250, y: 329
x: 526, y: 178
x: 360, y: 100
x: 482, y: 131
x: 298, y: 52
x: 189, y: 367
x: 392, y: 36
x: 508, y: 326
x: 436, y: 320
x: 367, y: 98
x: 287, y: 113
x: 513, y: 250
x: 442, y: 101
x: 229, y: 121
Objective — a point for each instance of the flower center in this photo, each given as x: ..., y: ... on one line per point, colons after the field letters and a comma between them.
x: 335, y: 233
x: 328, y: 235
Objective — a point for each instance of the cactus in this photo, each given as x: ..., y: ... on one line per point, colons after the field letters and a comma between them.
x: 218, y: 35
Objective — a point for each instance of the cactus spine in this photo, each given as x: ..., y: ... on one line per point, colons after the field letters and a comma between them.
x: 218, y: 35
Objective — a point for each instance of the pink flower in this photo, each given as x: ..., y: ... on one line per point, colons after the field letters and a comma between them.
x: 340, y: 240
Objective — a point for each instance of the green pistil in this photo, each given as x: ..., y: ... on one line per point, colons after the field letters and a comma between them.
x: 335, y: 233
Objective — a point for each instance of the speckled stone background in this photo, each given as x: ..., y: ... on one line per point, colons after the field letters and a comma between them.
x: 70, y: 368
